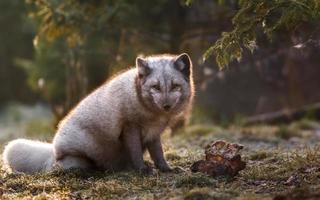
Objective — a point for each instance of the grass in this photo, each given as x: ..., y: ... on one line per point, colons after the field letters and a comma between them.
x: 277, y: 167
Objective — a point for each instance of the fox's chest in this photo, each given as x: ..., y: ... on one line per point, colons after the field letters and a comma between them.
x: 154, y: 129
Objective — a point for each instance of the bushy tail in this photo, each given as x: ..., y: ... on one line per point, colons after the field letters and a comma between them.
x: 28, y: 156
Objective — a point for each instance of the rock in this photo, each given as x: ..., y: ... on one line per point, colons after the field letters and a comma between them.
x: 221, y: 159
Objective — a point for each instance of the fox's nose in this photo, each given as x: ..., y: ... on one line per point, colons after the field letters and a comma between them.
x: 166, y: 107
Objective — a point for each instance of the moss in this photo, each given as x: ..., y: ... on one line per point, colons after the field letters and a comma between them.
x: 253, y: 196
x: 197, y: 195
x: 207, y: 193
x: 260, y: 155
x: 298, y: 193
x: 195, y: 180
x: 281, y: 166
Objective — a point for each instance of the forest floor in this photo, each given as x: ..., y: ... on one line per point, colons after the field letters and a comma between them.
x: 283, y: 162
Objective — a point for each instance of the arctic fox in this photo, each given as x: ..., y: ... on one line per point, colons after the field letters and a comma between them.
x: 112, y: 127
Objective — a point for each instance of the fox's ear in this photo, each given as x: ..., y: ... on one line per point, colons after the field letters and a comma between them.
x: 183, y: 64
x: 143, y: 68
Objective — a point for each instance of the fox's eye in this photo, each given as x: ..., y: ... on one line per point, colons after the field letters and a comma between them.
x: 175, y: 87
x: 156, y: 87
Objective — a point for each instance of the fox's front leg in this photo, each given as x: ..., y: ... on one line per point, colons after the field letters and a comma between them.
x: 133, y: 145
x: 155, y: 149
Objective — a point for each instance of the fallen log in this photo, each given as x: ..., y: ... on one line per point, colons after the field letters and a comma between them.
x: 285, y: 115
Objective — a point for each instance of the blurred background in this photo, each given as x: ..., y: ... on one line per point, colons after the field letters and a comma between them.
x: 55, y: 52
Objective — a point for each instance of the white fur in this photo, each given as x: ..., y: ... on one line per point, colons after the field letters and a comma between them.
x: 91, y: 132
x: 28, y: 156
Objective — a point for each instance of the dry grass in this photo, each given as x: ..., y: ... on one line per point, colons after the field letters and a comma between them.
x: 275, y: 165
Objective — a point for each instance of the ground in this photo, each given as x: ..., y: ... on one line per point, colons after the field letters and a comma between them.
x: 283, y: 162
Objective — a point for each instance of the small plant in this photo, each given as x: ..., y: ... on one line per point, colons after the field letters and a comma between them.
x: 285, y: 133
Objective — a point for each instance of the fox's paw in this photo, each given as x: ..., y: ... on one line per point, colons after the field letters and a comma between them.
x: 164, y: 168
x: 147, y: 171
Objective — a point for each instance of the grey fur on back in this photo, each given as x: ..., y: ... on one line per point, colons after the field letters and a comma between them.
x: 91, y: 134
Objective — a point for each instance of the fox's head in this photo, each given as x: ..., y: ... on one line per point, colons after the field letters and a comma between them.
x: 165, y: 82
